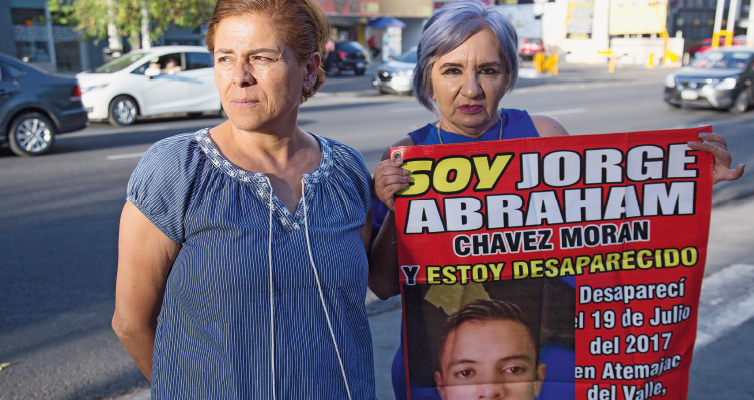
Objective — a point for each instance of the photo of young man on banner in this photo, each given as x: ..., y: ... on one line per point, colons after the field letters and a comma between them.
x: 553, y: 269
x: 517, y: 332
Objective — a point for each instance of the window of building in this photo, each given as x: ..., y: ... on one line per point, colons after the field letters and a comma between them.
x: 27, y: 16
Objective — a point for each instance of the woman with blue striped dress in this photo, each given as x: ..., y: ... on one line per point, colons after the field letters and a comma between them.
x: 242, y: 268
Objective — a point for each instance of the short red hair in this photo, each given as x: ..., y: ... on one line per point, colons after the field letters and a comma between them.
x: 302, y: 24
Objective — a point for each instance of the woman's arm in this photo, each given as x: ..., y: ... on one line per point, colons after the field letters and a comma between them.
x: 145, y: 256
x: 548, y: 126
x: 384, y: 277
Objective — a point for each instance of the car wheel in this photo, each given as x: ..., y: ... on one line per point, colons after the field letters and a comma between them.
x: 195, y: 115
x: 674, y: 105
x: 123, y: 111
x: 742, y: 102
x: 31, y: 134
x: 360, y: 72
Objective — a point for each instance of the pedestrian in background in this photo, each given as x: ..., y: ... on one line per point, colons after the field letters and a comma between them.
x: 329, y: 58
x: 242, y: 268
x: 372, y: 44
x: 467, y: 62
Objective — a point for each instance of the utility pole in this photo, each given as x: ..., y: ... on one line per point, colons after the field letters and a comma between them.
x: 750, y: 29
x: 113, y: 37
x: 719, y: 16
x: 719, y: 25
x: 145, y: 42
x: 732, y: 15
x: 51, y: 39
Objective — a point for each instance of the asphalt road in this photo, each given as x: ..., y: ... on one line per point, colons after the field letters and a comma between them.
x: 59, y: 216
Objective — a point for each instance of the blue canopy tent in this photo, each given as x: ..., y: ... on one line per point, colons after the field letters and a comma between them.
x: 384, y: 22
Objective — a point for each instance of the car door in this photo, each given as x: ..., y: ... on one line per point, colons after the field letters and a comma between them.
x: 203, y: 88
x: 9, y: 89
x: 170, y: 91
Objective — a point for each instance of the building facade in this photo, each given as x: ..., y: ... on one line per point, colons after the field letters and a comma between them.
x: 29, y: 32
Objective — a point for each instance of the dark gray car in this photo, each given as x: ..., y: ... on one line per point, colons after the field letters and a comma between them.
x: 721, y: 78
x: 35, y: 106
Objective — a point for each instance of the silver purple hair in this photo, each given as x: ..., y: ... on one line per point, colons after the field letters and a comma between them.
x: 448, y: 28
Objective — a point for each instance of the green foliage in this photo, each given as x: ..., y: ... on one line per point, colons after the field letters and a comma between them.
x: 92, y: 17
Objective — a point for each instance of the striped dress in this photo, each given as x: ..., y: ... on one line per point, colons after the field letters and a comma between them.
x: 259, y: 303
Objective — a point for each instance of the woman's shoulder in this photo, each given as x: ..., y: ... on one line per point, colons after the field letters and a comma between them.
x: 160, y: 185
x: 348, y: 168
x: 345, y: 159
x: 174, y: 150
x: 544, y: 125
x: 342, y: 152
x: 548, y: 126
x: 417, y: 137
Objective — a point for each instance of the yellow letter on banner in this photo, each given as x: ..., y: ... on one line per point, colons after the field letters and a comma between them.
x: 419, y: 177
x: 462, y: 168
x: 487, y: 174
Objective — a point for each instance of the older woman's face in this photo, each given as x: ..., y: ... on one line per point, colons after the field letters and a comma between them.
x: 257, y: 74
x: 468, y: 83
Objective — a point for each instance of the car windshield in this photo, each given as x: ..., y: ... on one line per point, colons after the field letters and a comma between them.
x: 408, y: 57
x: 119, y: 63
x: 719, y: 59
x: 351, y: 47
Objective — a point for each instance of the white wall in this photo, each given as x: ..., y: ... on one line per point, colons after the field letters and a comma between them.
x: 586, y: 50
x: 522, y: 17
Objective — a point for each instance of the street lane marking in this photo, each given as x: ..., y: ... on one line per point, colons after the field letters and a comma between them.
x: 723, y: 121
x: 728, y: 300
x: 122, y: 156
x: 562, y: 112
x: 408, y: 109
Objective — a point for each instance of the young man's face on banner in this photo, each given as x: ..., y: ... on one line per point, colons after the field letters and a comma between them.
x: 489, y: 359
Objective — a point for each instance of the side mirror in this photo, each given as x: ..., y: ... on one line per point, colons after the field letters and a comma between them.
x: 151, y: 72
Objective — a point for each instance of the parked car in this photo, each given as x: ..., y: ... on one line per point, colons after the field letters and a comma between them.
x: 706, y: 45
x: 164, y: 79
x: 36, y: 106
x: 396, y: 76
x: 719, y: 78
x: 530, y: 47
x: 348, y: 56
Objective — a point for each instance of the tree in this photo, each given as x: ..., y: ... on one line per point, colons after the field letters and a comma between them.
x: 103, y: 19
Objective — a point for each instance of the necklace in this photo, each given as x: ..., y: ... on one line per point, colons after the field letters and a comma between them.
x: 500, y: 114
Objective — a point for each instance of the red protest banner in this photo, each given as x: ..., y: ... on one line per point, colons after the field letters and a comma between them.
x: 562, y: 268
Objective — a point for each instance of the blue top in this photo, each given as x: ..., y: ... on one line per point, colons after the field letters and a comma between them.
x: 222, y: 333
x: 517, y: 124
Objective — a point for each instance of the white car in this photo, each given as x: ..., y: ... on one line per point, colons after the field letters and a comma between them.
x: 397, y: 76
x: 165, y: 79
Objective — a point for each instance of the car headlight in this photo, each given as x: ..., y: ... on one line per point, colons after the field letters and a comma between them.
x: 727, y: 84
x: 404, y: 73
x: 89, y: 89
x: 670, y: 80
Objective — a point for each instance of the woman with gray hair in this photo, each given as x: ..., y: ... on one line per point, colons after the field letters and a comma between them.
x: 467, y: 62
